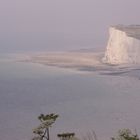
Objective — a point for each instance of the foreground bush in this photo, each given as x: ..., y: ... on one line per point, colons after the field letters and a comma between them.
x: 126, y: 134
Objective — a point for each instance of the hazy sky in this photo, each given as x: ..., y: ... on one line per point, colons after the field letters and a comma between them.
x: 61, y: 24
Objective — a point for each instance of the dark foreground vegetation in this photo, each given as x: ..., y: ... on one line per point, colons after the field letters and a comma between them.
x: 41, y: 132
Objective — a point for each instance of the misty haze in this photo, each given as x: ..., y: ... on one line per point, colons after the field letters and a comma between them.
x: 79, y: 59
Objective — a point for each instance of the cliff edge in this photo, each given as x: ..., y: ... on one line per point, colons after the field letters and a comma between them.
x: 123, y: 45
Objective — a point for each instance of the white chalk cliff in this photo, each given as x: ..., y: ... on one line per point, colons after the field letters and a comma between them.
x: 123, y: 45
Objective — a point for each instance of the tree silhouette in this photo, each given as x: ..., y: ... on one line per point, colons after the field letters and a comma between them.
x: 65, y: 136
x: 42, y: 131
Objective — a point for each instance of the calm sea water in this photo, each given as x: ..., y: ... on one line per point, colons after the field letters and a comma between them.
x: 84, y: 101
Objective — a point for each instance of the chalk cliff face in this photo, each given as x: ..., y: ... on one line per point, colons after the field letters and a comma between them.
x: 123, y: 45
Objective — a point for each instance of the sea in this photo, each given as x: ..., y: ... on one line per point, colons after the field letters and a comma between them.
x: 85, y: 101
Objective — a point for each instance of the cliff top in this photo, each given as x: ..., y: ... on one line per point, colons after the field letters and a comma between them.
x: 130, y: 30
